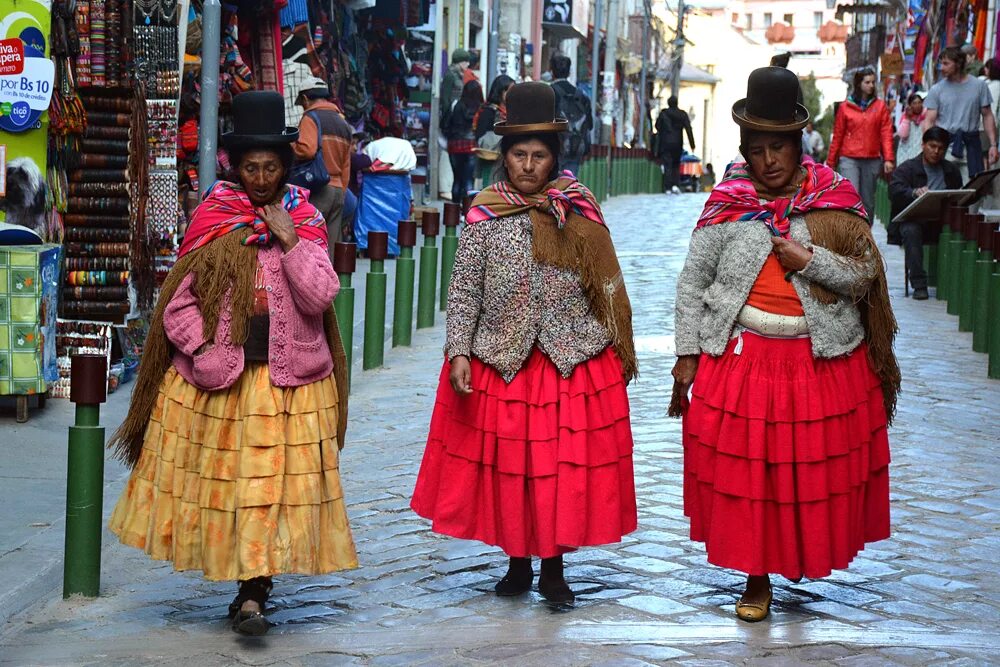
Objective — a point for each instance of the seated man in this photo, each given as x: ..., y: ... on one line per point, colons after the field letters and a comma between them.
x: 927, y: 171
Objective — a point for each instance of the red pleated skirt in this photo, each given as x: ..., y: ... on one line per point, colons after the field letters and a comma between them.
x: 786, y: 458
x: 538, y: 467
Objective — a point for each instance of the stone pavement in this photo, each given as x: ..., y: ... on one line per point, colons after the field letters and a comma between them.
x: 929, y: 595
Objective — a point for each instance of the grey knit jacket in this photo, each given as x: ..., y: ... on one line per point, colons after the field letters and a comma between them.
x: 722, y: 265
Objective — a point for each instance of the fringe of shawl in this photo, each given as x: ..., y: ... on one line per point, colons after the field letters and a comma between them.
x: 848, y: 235
x: 585, y: 247
x: 224, y: 269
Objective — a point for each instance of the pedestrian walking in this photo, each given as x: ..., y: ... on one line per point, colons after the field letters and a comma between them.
x: 928, y: 171
x: 910, y: 134
x: 240, y: 407
x: 861, y: 145
x: 324, y: 133
x: 812, y: 142
x: 461, y: 136
x: 957, y: 103
x: 530, y: 445
x: 492, y: 112
x: 575, y: 107
x: 784, y: 340
x: 671, y: 125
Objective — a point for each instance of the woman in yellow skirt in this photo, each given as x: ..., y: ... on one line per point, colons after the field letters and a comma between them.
x: 240, y: 408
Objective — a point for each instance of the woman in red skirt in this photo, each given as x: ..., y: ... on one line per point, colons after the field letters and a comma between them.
x: 530, y: 444
x: 785, y: 372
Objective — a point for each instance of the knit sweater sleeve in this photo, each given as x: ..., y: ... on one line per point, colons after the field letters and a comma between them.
x: 182, y: 321
x: 840, y: 274
x: 695, y: 278
x: 311, y: 279
x: 465, y: 292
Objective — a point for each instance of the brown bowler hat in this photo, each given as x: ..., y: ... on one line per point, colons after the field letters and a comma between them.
x: 771, y: 104
x: 531, y: 108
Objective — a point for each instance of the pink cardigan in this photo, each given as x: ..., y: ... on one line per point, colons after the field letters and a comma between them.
x: 300, y: 284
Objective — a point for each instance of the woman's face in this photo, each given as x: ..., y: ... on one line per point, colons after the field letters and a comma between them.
x: 916, y: 107
x: 529, y: 164
x: 774, y: 159
x: 868, y: 85
x: 261, y: 174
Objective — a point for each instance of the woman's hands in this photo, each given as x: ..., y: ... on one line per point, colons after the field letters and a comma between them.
x: 684, y: 371
x: 281, y: 225
x: 461, y: 375
x: 793, y: 255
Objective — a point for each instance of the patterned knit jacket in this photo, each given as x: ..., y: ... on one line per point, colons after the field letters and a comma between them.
x: 300, y: 284
x: 722, y: 265
x: 501, y: 302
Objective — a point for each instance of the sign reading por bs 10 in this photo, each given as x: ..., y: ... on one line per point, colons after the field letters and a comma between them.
x: 26, y: 77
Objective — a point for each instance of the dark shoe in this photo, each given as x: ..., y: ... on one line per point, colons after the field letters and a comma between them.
x: 518, y: 579
x: 552, y: 585
x: 250, y: 623
x: 257, y: 589
x: 920, y: 294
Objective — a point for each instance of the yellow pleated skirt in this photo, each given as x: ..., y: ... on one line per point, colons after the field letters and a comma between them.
x: 240, y: 483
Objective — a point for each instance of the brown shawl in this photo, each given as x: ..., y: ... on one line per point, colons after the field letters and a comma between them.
x: 224, y: 266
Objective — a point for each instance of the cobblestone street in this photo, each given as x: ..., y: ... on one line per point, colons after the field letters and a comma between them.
x: 929, y: 595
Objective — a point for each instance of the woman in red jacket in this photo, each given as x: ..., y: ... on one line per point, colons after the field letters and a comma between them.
x: 861, y: 145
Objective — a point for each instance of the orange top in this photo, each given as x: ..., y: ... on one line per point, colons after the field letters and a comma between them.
x: 772, y: 293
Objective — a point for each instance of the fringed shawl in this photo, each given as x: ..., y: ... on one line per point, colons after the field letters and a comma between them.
x: 563, y: 217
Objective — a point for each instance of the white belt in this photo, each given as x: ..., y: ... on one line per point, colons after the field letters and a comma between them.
x: 772, y: 324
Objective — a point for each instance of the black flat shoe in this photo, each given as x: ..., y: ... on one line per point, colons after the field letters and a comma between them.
x: 250, y: 623
x: 514, y: 584
x: 556, y: 591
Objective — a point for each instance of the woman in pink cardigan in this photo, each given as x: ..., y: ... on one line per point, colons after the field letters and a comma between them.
x: 239, y: 411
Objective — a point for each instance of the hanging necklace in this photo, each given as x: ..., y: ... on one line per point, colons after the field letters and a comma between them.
x: 146, y: 9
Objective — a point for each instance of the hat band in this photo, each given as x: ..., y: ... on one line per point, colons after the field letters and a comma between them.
x: 767, y: 121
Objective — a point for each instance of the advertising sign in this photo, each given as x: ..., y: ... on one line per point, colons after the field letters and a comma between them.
x: 26, y: 73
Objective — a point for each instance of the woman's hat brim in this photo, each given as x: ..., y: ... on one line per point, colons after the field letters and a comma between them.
x: 558, y: 125
x: 741, y: 118
x: 486, y: 154
x: 260, y: 140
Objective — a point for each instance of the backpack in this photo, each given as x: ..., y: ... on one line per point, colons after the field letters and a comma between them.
x: 575, y: 108
x: 312, y: 174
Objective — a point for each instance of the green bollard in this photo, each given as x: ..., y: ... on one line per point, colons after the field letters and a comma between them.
x: 85, y: 477
x: 378, y: 250
x: 402, y: 311
x: 345, y: 257
x: 428, y: 270
x: 449, y: 246
x: 981, y: 303
x: 994, y: 326
x: 943, y: 270
x: 966, y: 295
x: 955, y: 247
x: 930, y: 264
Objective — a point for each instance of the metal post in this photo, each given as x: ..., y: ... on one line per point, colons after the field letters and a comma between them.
x: 208, y: 128
x: 981, y: 304
x: 955, y: 287
x: 378, y: 250
x: 428, y: 270
x: 643, y: 94
x: 493, y: 44
x: 595, y: 54
x: 402, y: 307
x: 608, y: 73
x: 344, y: 263
x: 994, y: 336
x: 968, y: 277
x: 677, y: 59
x: 85, y: 477
x: 449, y: 246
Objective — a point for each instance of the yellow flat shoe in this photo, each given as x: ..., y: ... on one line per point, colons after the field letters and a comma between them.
x: 754, y: 611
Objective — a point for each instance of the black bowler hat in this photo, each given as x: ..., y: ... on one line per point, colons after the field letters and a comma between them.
x: 771, y: 103
x: 531, y: 108
x: 259, y: 121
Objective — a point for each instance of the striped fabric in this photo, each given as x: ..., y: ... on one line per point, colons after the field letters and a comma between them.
x: 559, y: 198
x: 735, y: 199
x: 227, y: 207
